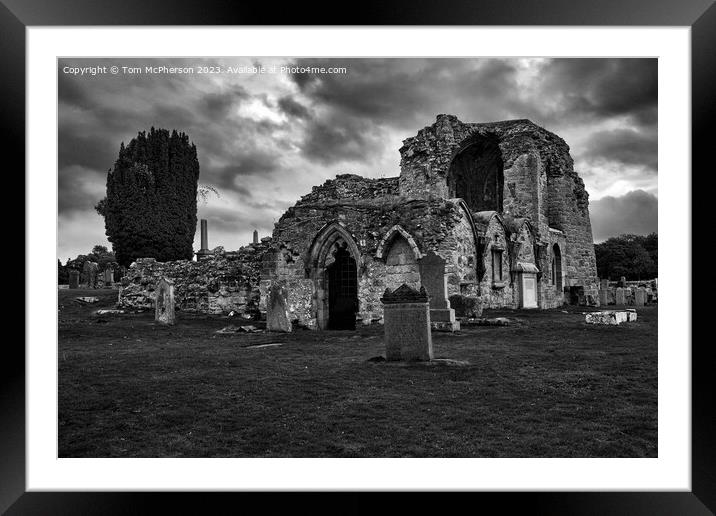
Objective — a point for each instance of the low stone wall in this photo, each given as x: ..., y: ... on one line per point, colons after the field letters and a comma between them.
x: 217, y: 284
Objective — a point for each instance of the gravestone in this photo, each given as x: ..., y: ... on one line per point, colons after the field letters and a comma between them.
x: 620, y: 300
x: 90, y: 269
x: 603, y: 297
x: 622, y: 281
x: 277, y: 318
x: 604, y: 284
x: 434, y: 280
x: 74, y: 278
x: 164, y: 305
x: 406, y: 321
x: 640, y: 297
x: 108, y: 277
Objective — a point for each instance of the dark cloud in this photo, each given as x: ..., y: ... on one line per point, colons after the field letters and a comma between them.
x: 605, y: 87
x: 91, y: 150
x: 292, y: 108
x: 252, y: 163
x: 219, y: 104
x: 636, y: 213
x: 254, y: 132
x: 342, y: 139
x: 626, y: 146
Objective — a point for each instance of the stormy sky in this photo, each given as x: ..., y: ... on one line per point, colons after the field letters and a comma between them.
x: 264, y: 139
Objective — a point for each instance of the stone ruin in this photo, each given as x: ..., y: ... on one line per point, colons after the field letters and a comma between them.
x: 499, y: 203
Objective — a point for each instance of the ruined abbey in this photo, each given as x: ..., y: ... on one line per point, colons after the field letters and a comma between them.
x: 491, y: 213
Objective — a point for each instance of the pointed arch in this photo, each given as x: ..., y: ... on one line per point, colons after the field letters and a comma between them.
x: 330, y: 234
x: 332, y: 240
x: 392, y: 233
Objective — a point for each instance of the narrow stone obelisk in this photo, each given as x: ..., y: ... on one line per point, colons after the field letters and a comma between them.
x: 204, y: 251
x: 256, y: 236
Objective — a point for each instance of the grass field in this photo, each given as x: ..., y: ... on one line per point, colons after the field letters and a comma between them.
x: 548, y: 385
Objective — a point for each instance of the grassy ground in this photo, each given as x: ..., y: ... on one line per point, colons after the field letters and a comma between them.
x: 548, y: 385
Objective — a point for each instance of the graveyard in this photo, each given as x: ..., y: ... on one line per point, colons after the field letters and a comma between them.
x: 545, y: 385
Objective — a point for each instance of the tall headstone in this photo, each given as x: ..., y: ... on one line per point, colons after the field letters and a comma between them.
x: 406, y: 317
x: 164, y: 305
x: 277, y: 317
x: 74, y: 278
x: 604, y: 284
x: 620, y: 299
x: 108, y: 277
x: 603, y: 297
x: 434, y: 280
x: 90, y: 269
x: 640, y: 297
x: 256, y: 237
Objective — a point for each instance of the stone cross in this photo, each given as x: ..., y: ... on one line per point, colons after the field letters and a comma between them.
x: 277, y: 317
x: 164, y: 306
x: 434, y: 280
x: 406, y: 316
x: 74, y: 278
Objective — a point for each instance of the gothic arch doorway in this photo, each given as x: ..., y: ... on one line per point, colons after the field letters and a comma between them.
x: 333, y: 262
x: 342, y: 291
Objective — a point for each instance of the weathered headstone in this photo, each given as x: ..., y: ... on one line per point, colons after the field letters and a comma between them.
x: 277, y: 318
x: 640, y: 297
x: 406, y: 317
x: 620, y: 300
x: 434, y: 280
x: 90, y: 269
x: 164, y: 305
x: 256, y: 237
x: 603, y: 297
x: 108, y: 277
x: 604, y: 284
x: 622, y: 281
x: 74, y: 278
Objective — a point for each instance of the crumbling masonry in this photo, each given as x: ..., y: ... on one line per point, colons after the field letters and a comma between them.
x: 499, y: 202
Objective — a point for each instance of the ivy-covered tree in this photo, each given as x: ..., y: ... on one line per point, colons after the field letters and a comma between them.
x: 150, y: 208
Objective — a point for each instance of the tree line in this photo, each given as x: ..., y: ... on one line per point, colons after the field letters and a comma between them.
x: 635, y: 257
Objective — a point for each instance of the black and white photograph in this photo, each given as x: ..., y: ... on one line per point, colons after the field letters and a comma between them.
x: 357, y: 257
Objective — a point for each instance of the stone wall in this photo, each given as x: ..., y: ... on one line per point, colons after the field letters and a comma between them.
x: 217, y: 284
x: 432, y: 224
x: 539, y: 180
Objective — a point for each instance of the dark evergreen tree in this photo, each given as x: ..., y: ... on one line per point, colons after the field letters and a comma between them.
x: 632, y: 256
x: 150, y: 208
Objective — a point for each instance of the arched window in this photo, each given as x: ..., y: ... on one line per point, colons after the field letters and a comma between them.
x: 476, y: 174
x: 557, y: 267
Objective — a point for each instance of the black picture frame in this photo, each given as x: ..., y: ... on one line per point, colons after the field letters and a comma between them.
x: 700, y: 15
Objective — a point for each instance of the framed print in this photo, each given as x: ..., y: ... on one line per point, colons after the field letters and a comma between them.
x: 367, y: 256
